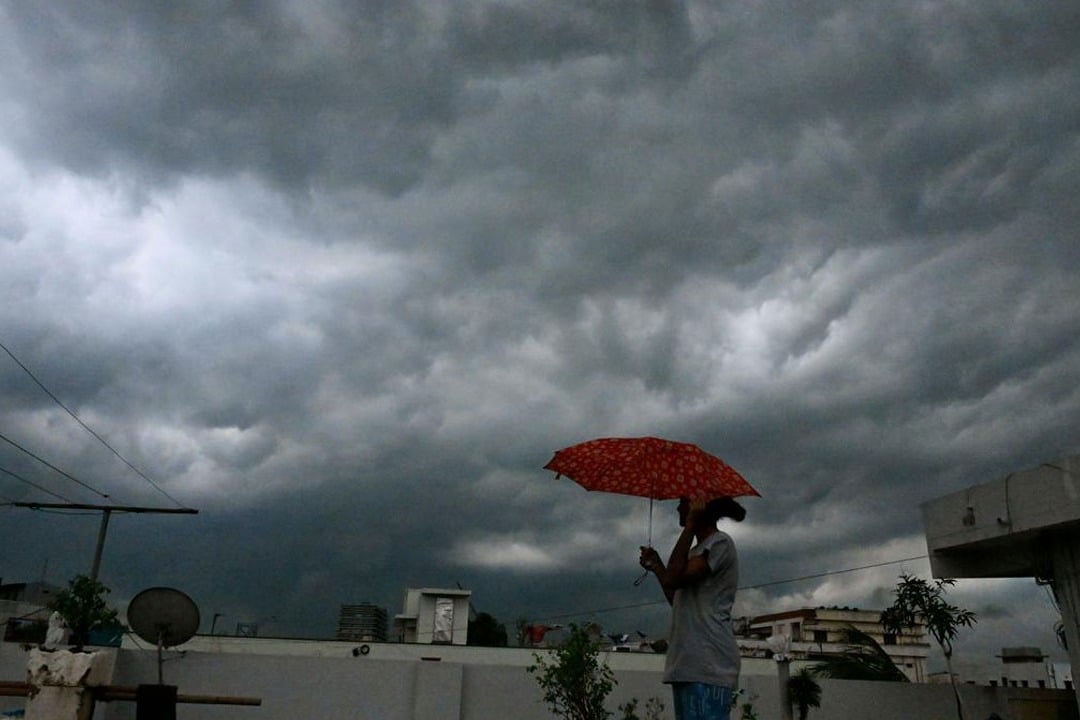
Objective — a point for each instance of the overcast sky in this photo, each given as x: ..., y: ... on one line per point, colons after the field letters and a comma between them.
x: 343, y: 275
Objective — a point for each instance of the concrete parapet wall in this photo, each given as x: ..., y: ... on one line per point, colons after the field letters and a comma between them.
x: 346, y: 688
x: 337, y: 688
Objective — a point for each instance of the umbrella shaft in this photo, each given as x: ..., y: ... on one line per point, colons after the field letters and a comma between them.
x: 650, y: 521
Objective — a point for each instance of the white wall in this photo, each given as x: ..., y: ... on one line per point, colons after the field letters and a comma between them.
x: 347, y: 688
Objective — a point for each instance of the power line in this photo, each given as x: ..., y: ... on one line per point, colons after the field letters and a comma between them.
x: 744, y: 587
x: 33, y: 484
x: 49, y: 465
x: 835, y: 572
x: 86, y: 427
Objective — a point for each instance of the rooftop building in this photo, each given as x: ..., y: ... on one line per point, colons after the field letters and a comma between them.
x: 362, y: 623
x: 1018, y: 667
x: 434, y: 616
x: 33, y: 593
x: 816, y: 633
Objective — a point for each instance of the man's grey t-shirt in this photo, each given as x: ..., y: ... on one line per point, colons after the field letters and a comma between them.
x: 701, y: 641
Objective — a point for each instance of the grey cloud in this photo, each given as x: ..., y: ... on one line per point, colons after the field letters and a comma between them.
x: 301, y: 99
x: 305, y: 96
x: 504, y: 37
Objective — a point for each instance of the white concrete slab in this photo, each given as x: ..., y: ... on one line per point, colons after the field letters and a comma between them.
x: 999, y: 528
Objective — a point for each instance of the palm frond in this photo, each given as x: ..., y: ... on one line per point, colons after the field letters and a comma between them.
x: 862, y: 659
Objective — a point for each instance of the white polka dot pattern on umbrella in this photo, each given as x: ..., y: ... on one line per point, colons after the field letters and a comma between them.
x: 649, y: 467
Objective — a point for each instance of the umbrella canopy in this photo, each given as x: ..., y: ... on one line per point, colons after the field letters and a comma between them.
x: 649, y: 467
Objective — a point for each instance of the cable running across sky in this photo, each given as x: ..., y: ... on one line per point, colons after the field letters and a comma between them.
x: 744, y: 587
x: 86, y: 427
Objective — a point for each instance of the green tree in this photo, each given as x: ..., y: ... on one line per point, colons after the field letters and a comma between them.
x: 804, y: 691
x: 918, y: 600
x: 83, y: 607
x: 574, y: 681
x: 486, y: 631
x: 861, y: 659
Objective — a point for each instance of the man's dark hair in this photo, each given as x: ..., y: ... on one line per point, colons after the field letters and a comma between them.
x: 723, y: 507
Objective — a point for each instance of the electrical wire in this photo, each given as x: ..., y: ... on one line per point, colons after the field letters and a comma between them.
x: 61, y: 511
x: 49, y: 465
x: 743, y: 587
x: 86, y: 427
x: 835, y: 572
x: 33, y: 484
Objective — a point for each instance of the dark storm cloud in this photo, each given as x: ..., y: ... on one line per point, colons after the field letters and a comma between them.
x: 304, y: 94
x: 344, y: 275
x: 294, y: 93
x: 506, y: 36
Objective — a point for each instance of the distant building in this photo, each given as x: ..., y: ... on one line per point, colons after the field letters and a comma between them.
x: 1020, y: 667
x: 1061, y: 672
x: 1025, y: 667
x: 817, y: 633
x: 31, y: 593
x: 362, y: 623
x: 434, y: 616
x: 24, y: 610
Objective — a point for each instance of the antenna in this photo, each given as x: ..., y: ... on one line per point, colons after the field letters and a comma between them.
x: 163, y: 616
x: 106, y: 513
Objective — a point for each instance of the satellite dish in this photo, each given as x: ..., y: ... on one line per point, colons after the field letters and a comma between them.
x: 163, y: 616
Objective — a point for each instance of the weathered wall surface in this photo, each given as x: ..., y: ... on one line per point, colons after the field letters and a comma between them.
x: 333, y: 688
x: 348, y: 688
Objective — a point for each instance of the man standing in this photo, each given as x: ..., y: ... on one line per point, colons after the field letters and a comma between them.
x: 699, y: 581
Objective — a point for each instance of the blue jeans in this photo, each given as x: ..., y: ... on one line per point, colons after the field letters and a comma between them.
x: 698, y: 701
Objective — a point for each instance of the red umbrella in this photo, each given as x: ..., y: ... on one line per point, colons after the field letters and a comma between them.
x: 649, y: 467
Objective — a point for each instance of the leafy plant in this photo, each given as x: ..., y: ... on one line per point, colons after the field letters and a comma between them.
x: 748, y: 711
x: 918, y: 600
x: 861, y: 659
x: 574, y: 681
x: 82, y: 606
x: 653, y: 709
x: 804, y: 692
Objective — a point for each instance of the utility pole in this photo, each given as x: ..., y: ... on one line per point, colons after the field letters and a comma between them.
x: 106, y: 513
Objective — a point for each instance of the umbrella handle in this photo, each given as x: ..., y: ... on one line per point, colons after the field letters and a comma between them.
x: 642, y: 578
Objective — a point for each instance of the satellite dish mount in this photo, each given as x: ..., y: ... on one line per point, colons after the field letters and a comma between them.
x: 163, y: 616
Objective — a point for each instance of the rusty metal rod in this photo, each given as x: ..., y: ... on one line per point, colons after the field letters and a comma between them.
x: 122, y: 693
x: 9, y: 688
x: 127, y: 692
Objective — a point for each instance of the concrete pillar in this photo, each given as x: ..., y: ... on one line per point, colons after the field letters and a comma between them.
x: 781, y: 649
x: 783, y: 674
x: 61, y: 681
x: 1065, y: 559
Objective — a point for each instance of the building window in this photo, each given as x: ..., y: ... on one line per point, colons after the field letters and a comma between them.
x: 821, y: 636
x: 890, y: 639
